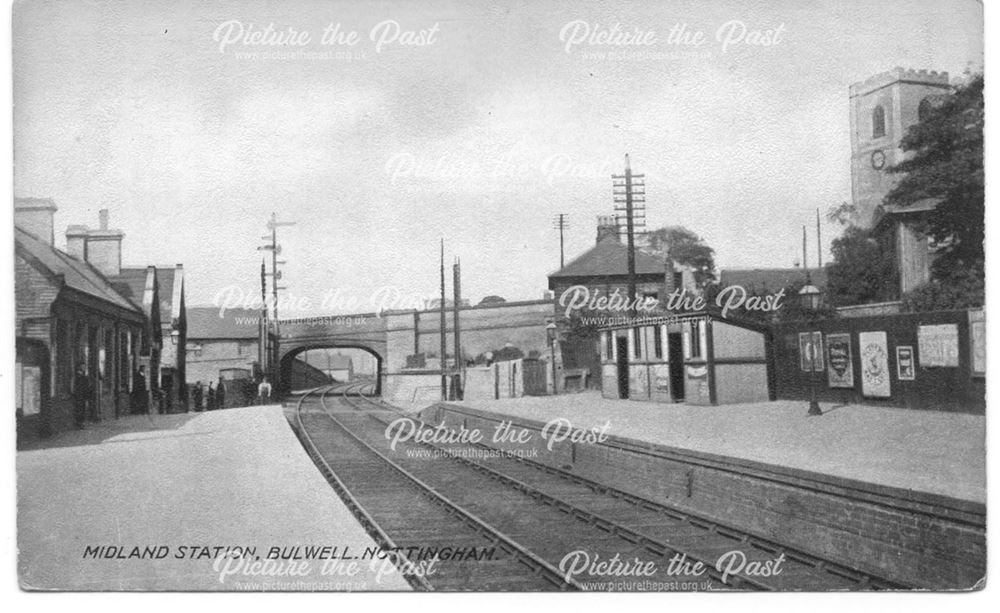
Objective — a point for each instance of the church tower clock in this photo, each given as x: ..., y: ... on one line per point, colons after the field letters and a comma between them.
x: 883, y: 107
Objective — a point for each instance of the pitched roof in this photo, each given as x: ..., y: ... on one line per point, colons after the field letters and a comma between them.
x: 769, y: 279
x: 235, y: 324
x: 77, y: 274
x: 609, y: 257
x: 132, y: 283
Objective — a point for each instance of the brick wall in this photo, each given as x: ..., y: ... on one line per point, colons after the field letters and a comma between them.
x: 923, y: 540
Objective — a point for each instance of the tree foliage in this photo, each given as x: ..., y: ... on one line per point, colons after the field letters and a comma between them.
x: 945, y: 162
x: 686, y: 248
x: 862, y: 270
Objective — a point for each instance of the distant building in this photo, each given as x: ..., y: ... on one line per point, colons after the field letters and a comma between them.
x: 604, y: 268
x: 883, y: 108
x: 770, y: 280
x: 337, y: 366
x: 69, y: 314
x: 164, y: 288
x: 225, y: 345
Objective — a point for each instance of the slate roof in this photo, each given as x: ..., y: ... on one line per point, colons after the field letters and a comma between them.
x: 77, y: 275
x: 132, y: 284
x: 203, y: 322
x: 769, y: 279
x: 609, y: 257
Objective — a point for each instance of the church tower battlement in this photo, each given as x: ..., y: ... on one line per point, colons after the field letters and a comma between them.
x: 883, y: 107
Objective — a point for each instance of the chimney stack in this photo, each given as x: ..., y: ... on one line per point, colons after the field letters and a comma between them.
x: 102, y: 247
x: 35, y: 215
x: 76, y: 241
x: 607, y: 227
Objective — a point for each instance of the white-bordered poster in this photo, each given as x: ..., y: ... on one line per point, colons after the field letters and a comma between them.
x: 874, y: 365
x: 906, y: 370
x: 840, y: 363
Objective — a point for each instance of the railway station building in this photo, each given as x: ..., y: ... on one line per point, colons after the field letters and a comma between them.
x: 68, y: 315
x: 696, y: 358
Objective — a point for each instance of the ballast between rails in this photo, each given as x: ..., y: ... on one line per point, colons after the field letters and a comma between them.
x: 371, y: 527
x: 859, y: 578
x: 536, y: 564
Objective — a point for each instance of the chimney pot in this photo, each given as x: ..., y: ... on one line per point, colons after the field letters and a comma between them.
x: 103, y: 215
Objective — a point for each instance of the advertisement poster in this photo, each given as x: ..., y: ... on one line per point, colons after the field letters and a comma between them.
x: 905, y: 369
x: 874, y: 365
x: 840, y: 365
x: 938, y: 345
x: 977, y: 330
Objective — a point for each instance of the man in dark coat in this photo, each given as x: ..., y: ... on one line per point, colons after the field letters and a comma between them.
x: 220, y: 395
x: 139, y: 399
x: 81, y: 395
x: 196, y: 396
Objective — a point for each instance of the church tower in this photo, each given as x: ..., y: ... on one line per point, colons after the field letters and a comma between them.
x: 883, y: 107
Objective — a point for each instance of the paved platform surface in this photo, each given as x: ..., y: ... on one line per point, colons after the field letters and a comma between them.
x: 926, y: 451
x: 237, y: 477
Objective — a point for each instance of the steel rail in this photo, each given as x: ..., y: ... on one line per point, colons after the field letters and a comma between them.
x: 538, y: 565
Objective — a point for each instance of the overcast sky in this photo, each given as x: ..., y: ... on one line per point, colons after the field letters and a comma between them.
x: 479, y: 136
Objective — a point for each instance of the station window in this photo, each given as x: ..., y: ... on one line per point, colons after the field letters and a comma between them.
x: 695, y: 340
x: 658, y: 341
x: 637, y: 342
x: 609, y: 345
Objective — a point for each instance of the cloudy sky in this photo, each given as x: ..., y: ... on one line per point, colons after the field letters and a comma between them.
x: 192, y: 134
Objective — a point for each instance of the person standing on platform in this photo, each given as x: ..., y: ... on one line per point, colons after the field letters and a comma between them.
x: 196, y: 396
x: 210, y: 403
x: 139, y: 392
x: 220, y: 395
x: 81, y: 395
x: 264, y: 391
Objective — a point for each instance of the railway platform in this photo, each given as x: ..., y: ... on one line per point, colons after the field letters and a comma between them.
x: 146, y: 503
x: 920, y: 451
x: 890, y: 492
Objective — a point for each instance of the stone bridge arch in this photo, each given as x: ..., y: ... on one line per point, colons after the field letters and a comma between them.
x: 364, y: 331
x: 288, y: 352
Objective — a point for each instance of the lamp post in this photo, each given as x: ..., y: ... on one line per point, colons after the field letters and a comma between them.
x: 550, y: 331
x: 810, y: 297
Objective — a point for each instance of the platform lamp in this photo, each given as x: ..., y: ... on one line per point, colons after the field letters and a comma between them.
x: 810, y: 298
x: 551, y: 330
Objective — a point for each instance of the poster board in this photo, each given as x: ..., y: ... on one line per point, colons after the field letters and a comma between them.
x: 977, y: 338
x: 840, y: 362
x: 874, y: 365
x: 938, y: 345
x: 906, y: 368
x: 811, y: 351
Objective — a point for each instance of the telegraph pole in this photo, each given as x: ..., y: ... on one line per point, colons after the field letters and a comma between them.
x: 264, y: 325
x: 805, y: 254
x: 630, y: 198
x: 444, y: 343
x: 560, y: 222
x: 273, y: 224
x: 456, y: 284
x: 819, y: 242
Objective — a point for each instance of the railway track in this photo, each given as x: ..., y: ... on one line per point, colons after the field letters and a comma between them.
x: 550, y: 521
x: 412, y: 520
